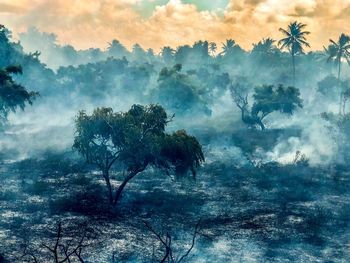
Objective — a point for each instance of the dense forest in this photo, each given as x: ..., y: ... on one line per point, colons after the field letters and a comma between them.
x: 199, y: 153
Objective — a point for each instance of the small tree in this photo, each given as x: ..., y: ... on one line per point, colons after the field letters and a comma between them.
x: 135, y: 140
x: 267, y: 99
x: 12, y: 95
x: 166, y: 243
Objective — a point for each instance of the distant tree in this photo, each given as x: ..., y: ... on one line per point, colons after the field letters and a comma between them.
x: 167, y: 54
x: 228, y: 46
x: 328, y: 86
x: 178, y: 91
x: 150, y: 53
x: 265, y: 54
x: 213, y: 48
x: 137, y: 77
x: 12, y: 95
x: 182, y: 54
x: 294, y: 41
x: 138, y: 52
x: 339, y: 50
x: 331, y: 86
x: 345, y: 95
x: 70, y: 54
x: 267, y: 99
x: 135, y: 140
x: 116, y: 49
x: 231, y: 52
x: 200, y: 50
x: 336, y: 52
x: 264, y: 46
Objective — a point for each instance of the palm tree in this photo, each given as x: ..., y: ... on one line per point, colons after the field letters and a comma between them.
x: 265, y: 46
x: 339, y: 50
x: 213, y: 47
x: 294, y: 41
x: 228, y: 46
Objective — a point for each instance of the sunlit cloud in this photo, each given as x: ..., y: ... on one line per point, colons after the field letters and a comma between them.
x: 93, y: 23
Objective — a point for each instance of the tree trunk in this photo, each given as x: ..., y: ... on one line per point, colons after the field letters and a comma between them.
x: 339, y: 68
x: 293, y: 59
x: 124, y: 183
x: 261, y: 124
x: 108, y: 183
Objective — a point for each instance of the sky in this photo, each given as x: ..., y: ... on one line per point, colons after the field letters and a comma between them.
x: 158, y: 23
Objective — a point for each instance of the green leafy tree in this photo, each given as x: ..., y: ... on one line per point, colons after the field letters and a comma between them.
x: 337, y: 51
x: 294, y: 41
x: 12, y: 95
x: 267, y: 99
x: 134, y: 140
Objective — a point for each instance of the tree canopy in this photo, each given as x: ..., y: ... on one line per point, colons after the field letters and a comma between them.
x: 12, y: 95
x: 338, y: 50
x: 178, y: 91
x: 135, y: 140
x: 267, y: 99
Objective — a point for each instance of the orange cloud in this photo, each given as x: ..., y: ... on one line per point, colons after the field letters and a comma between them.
x: 93, y: 23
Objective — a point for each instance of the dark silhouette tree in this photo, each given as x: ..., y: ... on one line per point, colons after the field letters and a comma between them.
x: 294, y: 41
x: 135, y: 140
x: 66, y: 244
x: 213, y: 48
x: 227, y: 47
x: 265, y: 46
x: 167, y: 244
x: 337, y: 51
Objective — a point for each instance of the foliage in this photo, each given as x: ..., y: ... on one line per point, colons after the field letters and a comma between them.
x: 177, y: 91
x: 295, y: 38
x: 329, y: 86
x: 294, y: 41
x: 342, y: 122
x: 336, y: 51
x: 134, y: 139
x: 183, y: 151
x: 12, y: 95
x: 267, y: 99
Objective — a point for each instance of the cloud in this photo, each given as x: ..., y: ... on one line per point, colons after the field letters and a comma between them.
x: 95, y: 22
